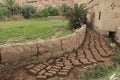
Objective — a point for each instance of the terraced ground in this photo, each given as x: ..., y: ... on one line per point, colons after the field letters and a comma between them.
x: 95, y: 50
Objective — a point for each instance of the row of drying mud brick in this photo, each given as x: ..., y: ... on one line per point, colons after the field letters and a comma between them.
x: 93, y: 51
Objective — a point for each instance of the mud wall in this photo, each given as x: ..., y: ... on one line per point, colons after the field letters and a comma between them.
x: 44, y: 49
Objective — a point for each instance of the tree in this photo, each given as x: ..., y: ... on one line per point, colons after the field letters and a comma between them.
x: 77, y: 15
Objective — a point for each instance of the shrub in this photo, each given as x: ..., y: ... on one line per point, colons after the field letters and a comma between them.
x: 53, y: 11
x: 28, y: 11
x: 117, y: 56
x: 4, y: 12
x: 50, y: 11
x: 63, y: 9
x: 38, y: 14
x: 77, y: 15
x: 44, y: 12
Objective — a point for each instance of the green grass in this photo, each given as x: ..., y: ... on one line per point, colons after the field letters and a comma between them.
x: 96, y: 72
x: 31, y: 29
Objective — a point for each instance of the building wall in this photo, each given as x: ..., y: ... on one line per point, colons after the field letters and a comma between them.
x: 105, y: 15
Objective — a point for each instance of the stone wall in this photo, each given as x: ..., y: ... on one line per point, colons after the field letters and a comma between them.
x: 44, y: 49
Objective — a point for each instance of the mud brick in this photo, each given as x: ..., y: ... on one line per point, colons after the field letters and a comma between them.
x: 45, y: 63
x: 42, y: 72
x: 41, y: 66
x: 85, y: 61
x: 65, y: 70
x: 67, y: 64
x: 58, y: 60
x: 48, y: 68
x: 30, y: 66
x: 51, y: 61
x: 76, y: 63
x: 57, y: 67
x: 62, y: 74
x: 92, y: 60
x: 53, y: 69
x: 39, y: 77
x: 66, y: 55
x: 49, y: 74
x: 33, y: 72
x: 73, y: 54
x: 53, y: 72
x: 60, y: 65
x: 37, y: 69
x: 67, y: 67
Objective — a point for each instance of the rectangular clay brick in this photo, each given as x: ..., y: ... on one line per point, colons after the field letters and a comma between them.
x: 65, y: 70
x: 42, y: 72
x: 62, y: 74
x: 30, y: 66
x: 85, y: 61
x: 33, y: 72
x: 49, y: 74
x: 53, y: 69
x: 41, y: 77
x: 51, y: 61
x: 53, y: 72
x: 48, y: 68
x: 92, y: 60
x: 37, y: 69
x: 57, y: 67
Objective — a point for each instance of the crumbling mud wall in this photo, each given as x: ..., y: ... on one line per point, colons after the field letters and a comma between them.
x: 44, y: 49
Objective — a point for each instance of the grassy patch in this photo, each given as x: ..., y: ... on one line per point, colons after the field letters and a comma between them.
x: 30, y: 29
x: 117, y: 56
x: 96, y: 72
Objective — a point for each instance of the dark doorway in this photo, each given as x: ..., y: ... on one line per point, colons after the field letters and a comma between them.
x: 112, y: 36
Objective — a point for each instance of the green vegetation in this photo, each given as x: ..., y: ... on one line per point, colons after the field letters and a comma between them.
x: 96, y: 72
x: 28, y: 11
x: 77, y: 15
x: 30, y: 29
x: 117, y: 56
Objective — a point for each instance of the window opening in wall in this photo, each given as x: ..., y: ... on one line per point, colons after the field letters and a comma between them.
x: 99, y: 15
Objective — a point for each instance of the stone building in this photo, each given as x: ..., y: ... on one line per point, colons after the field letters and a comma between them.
x: 105, y: 16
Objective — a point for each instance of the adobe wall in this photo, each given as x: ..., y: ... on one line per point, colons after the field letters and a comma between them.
x: 105, y: 15
x: 43, y: 49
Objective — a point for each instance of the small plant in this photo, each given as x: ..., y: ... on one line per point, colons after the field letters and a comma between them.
x: 117, y: 56
x: 28, y: 11
x: 77, y: 15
